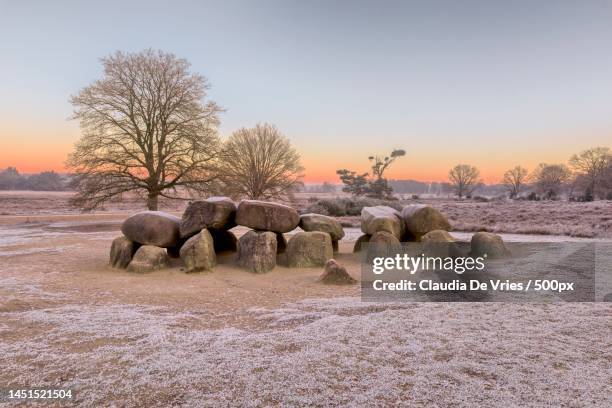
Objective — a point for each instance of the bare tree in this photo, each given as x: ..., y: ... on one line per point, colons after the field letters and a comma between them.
x: 145, y: 128
x: 377, y: 186
x: 592, y: 165
x: 515, y: 179
x: 464, y: 179
x: 260, y: 163
x: 550, y: 179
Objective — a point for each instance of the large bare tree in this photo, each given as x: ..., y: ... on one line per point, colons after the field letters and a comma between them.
x: 515, y: 179
x: 260, y: 163
x: 592, y: 165
x: 464, y: 179
x: 550, y: 179
x: 146, y: 128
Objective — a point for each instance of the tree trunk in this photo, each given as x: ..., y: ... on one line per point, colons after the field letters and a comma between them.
x: 152, y: 201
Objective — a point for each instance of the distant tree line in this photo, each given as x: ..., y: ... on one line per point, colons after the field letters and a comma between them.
x: 11, y: 179
x: 586, y: 177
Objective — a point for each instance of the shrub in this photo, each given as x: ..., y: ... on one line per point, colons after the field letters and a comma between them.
x: 533, y: 196
x: 328, y: 207
x: 338, y: 207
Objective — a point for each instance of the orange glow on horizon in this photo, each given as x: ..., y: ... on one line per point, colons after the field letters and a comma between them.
x: 34, y: 150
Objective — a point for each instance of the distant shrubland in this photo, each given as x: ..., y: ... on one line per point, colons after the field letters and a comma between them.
x: 11, y: 179
x: 340, y: 207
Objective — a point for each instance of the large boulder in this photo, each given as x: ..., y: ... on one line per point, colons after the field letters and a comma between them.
x: 257, y: 251
x: 214, y: 212
x: 122, y: 251
x: 317, y: 222
x: 223, y: 240
x: 307, y: 249
x: 421, y: 219
x: 336, y: 274
x: 265, y: 216
x: 486, y: 243
x: 155, y: 228
x: 437, y: 236
x: 381, y: 218
x: 439, y: 243
x: 198, y: 253
x: 148, y: 258
x: 383, y: 244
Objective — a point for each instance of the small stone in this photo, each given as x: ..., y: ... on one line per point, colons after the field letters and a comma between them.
x: 336, y: 274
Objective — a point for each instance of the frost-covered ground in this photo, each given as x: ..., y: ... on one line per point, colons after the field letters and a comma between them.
x: 593, y: 219
x: 232, y: 338
x: 320, y: 352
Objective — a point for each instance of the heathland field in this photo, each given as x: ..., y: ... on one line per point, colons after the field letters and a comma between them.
x: 230, y: 337
x: 589, y: 220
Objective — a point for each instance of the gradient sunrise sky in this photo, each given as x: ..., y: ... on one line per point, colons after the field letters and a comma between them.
x: 490, y: 83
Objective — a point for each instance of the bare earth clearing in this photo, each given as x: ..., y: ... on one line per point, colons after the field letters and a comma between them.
x: 234, y: 338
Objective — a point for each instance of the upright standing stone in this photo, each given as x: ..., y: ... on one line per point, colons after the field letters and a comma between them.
x: 491, y: 245
x: 257, y: 251
x: 361, y: 241
x: 383, y: 244
x: 323, y: 223
x: 439, y: 243
x: 148, y: 258
x: 198, y: 253
x: 307, y: 249
x: 122, y: 251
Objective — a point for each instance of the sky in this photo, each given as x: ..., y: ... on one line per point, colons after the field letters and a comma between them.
x: 490, y: 83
